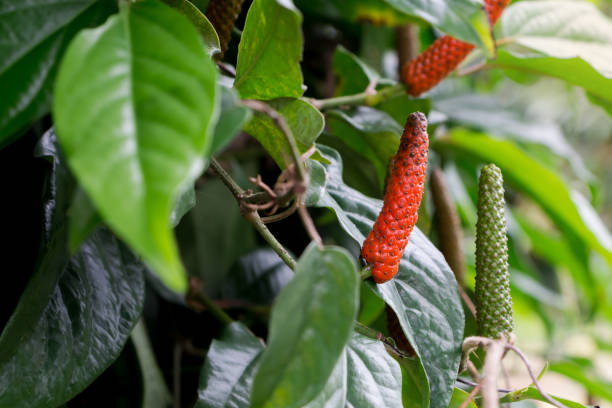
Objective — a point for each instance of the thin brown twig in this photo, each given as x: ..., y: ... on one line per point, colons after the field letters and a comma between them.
x: 470, y: 396
x: 280, y: 216
x: 495, y: 351
x: 309, y: 225
x: 534, y: 378
x: 474, y: 384
x: 468, y: 302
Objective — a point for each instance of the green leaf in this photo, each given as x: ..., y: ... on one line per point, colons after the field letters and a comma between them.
x: 257, y: 278
x: 586, y: 376
x: 53, y: 256
x: 564, y: 39
x: 310, y: 324
x: 462, y: 19
x: 424, y: 292
x: 370, y: 132
x: 214, y: 235
x: 373, y: 377
x: 353, y: 74
x: 199, y: 20
x: 304, y: 120
x: 270, y: 52
x: 544, y: 186
x: 34, y: 36
x: 229, y: 365
x: 531, y: 393
x: 490, y: 113
x: 134, y: 104
x: 88, y: 318
x: 458, y: 398
x: 415, y: 386
x: 232, y: 119
x: 156, y: 394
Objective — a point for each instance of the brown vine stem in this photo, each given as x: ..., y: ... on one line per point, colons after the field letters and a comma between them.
x: 471, y: 396
x: 534, y: 378
x: 302, y: 185
x: 196, y: 295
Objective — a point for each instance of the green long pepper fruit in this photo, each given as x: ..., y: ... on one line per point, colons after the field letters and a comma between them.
x: 493, y: 299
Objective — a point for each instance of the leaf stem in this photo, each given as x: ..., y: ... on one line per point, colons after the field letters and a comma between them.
x: 198, y: 296
x: 363, y: 98
x: 255, y: 220
x: 229, y: 182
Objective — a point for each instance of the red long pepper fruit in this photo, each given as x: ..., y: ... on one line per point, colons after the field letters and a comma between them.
x: 384, y: 246
x: 442, y: 57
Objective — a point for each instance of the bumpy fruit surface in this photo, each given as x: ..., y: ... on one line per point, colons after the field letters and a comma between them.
x: 493, y: 299
x: 443, y: 56
x: 222, y: 15
x: 384, y: 246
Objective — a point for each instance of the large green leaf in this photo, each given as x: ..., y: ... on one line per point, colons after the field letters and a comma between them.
x: 34, y: 36
x: 424, y: 292
x: 310, y: 324
x: 364, y: 375
x: 270, y: 51
x: 544, y: 186
x: 134, y: 105
x: 228, y: 367
x: 531, y: 393
x: 304, y: 120
x: 570, y: 40
x: 82, y: 329
x: 53, y: 255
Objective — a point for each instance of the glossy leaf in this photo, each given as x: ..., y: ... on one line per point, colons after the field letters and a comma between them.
x: 353, y: 74
x: 458, y: 400
x: 53, y: 254
x: 270, y: 52
x: 370, y: 132
x: 229, y: 362
x: 213, y: 236
x: 232, y: 119
x: 156, y: 394
x: 88, y: 318
x: 415, y: 387
x: 531, y: 393
x: 34, y: 36
x: 257, y: 277
x: 304, y: 120
x: 544, y: 186
x: 310, y: 324
x: 199, y: 20
x: 565, y: 39
x: 134, y: 104
x: 424, y: 292
x: 83, y: 218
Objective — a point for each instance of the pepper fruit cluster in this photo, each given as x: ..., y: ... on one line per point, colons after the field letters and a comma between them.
x: 493, y: 299
x: 443, y: 56
x: 385, y: 244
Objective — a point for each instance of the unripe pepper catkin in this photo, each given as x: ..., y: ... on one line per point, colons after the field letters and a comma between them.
x: 443, y: 56
x: 493, y: 299
x: 384, y: 246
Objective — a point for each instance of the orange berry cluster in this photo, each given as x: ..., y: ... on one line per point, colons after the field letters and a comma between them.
x: 442, y: 57
x: 384, y: 246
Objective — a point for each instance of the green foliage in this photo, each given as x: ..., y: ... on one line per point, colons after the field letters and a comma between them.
x: 269, y: 56
x: 141, y: 101
x: 302, y: 350
x: 118, y: 142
